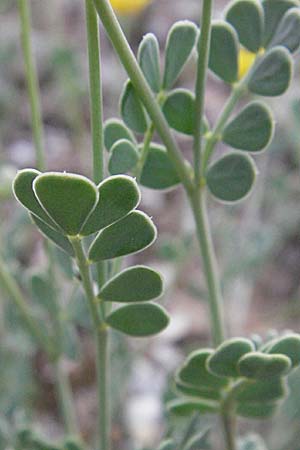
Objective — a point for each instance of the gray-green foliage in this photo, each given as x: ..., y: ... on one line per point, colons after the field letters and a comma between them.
x: 65, y: 207
x: 256, y: 381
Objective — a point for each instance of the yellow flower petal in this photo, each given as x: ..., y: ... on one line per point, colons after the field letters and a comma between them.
x: 128, y: 6
x: 246, y: 59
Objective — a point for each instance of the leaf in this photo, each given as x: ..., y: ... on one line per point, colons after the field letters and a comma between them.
x: 231, y: 177
x: 247, y: 17
x: 260, y: 366
x: 288, y: 31
x: 179, y: 110
x: 115, y: 130
x: 168, y: 444
x: 273, y: 73
x: 273, y: 12
x: 252, y: 129
x: 118, y: 196
x: 186, y: 407
x: 57, y: 238
x: 124, y: 157
x: 262, y: 391
x: 129, y: 235
x: 136, y: 284
x: 158, y: 171
x: 139, y: 320
x: 197, y: 392
x: 180, y: 43
x: 224, y: 48
x: 194, y: 372
x: 256, y: 410
x: 132, y: 110
x: 289, y: 346
x: 67, y: 198
x: 198, y: 441
x: 23, y: 190
x: 224, y: 361
x: 148, y: 57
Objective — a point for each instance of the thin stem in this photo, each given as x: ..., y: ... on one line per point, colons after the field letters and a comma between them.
x: 101, y: 337
x: 96, y: 105
x: 32, y: 83
x: 145, y: 151
x: 228, y: 415
x: 130, y: 64
x: 216, y: 134
x: 198, y: 204
x: 102, y: 347
x: 13, y: 290
x: 65, y: 398
x: 229, y: 425
x: 204, y: 46
x: 87, y: 281
x: 95, y: 90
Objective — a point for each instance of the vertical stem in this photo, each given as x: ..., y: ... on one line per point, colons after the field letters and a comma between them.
x: 229, y: 420
x: 145, y: 151
x: 65, y: 398
x: 204, y: 46
x: 198, y: 203
x: 96, y: 105
x: 95, y: 90
x: 101, y: 338
x: 131, y: 66
x: 32, y: 83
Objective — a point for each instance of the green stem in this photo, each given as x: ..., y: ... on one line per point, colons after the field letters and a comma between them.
x: 131, y: 66
x: 65, y: 398
x: 145, y: 151
x: 101, y: 337
x: 216, y: 133
x: 229, y: 425
x: 228, y: 415
x: 204, y: 46
x: 198, y: 204
x: 95, y: 90
x: 13, y: 290
x: 32, y: 82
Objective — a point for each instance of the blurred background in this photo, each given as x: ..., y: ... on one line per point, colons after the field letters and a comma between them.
x: 257, y: 242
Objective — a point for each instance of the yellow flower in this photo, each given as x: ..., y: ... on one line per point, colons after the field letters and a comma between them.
x: 246, y: 59
x: 128, y: 6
